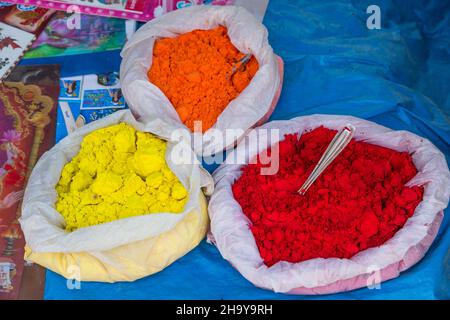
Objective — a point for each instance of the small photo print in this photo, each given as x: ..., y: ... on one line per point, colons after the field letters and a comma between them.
x: 103, y: 98
x: 70, y: 88
x: 7, y: 270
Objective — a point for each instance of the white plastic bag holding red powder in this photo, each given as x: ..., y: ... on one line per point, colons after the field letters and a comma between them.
x: 251, y: 108
x: 231, y: 234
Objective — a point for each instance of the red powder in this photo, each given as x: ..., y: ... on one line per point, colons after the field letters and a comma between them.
x: 360, y: 201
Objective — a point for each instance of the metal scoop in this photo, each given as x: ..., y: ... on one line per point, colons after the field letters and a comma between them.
x: 339, y: 142
x: 239, y: 65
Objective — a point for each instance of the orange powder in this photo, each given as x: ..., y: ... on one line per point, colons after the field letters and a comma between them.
x: 193, y: 72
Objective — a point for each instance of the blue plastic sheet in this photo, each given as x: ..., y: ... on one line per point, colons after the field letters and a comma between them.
x: 398, y: 76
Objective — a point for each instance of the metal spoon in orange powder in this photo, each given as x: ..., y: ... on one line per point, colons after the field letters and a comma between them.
x: 193, y: 71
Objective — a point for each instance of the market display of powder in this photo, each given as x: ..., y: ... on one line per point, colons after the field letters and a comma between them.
x: 192, y: 70
x: 118, y: 173
x: 360, y: 201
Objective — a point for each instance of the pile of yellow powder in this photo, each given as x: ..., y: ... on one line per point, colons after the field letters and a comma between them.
x: 118, y: 173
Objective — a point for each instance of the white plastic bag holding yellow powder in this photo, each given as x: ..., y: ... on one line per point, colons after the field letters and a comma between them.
x: 121, y: 250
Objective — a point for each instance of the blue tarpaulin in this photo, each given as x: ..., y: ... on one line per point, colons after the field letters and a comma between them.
x: 397, y: 76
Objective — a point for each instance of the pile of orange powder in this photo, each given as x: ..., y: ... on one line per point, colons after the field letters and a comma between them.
x: 193, y: 71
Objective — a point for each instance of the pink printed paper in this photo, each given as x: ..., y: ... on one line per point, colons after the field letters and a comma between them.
x: 141, y: 10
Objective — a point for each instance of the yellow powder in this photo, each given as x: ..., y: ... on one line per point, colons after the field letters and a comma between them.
x: 118, y: 173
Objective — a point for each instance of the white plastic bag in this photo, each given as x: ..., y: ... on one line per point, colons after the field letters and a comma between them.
x: 43, y: 226
x: 255, y: 103
x: 231, y: 234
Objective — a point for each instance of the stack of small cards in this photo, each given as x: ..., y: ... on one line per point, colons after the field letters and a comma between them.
x: 85, y: 98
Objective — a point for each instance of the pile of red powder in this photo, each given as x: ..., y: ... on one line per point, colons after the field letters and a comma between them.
x: 360, y: 201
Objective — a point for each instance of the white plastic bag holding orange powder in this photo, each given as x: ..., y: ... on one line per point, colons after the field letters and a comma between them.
x: 121, y: 250
x: 231, y: 234
x: 252, y: 107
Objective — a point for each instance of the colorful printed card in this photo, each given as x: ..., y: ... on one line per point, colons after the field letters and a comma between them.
x: 95, y: 34
x: 27, y: 18
x: 19, y: 26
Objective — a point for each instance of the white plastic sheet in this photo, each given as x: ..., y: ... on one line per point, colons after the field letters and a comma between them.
x: 231, y: 234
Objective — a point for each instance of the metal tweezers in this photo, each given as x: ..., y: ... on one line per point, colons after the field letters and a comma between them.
x: 339, y: 142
